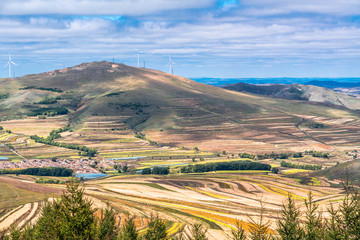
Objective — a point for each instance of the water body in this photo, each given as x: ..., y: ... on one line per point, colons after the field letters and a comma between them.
x: 89, y: 175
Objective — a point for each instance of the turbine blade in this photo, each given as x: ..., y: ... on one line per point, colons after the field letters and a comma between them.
x: 13, y: 63
x: 6, y: 64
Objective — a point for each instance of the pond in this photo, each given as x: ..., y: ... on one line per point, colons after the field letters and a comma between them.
x: 89, y: 175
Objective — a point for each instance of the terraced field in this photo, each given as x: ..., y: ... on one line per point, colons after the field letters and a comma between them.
x: 217, y: 200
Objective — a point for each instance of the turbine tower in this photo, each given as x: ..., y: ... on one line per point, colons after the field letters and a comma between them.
x: 9, y: 64
x: 171, y: 63
x: 138, y: 55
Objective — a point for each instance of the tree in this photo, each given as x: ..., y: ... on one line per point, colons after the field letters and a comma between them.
x: 156, y: 229
x: 128, y: 230
x: 314, y: 228
x: 259, y: 229
x: 125, y: 168
x: 289, y: 224
x: 71, y: 217
x: 146, y: 171
x: 239, y: 232
x: 198, y: 232
x: 107, y: 224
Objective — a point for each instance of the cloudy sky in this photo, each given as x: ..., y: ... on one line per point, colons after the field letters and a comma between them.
x: 205, y: 38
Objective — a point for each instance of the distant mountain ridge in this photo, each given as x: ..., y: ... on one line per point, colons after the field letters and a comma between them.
x: 306, y: 92
x: 333, y: 84
x: 286, y: 80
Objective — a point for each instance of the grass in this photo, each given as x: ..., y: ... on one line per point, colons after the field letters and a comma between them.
x: 11, y: 196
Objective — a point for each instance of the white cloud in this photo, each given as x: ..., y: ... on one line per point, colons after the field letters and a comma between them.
x: 273, y: 7
x: 98, y: 7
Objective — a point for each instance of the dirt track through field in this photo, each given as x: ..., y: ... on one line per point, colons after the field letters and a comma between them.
x: 14, y: 216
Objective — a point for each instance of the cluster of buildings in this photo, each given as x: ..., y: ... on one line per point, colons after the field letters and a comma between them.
x: 78, y: 165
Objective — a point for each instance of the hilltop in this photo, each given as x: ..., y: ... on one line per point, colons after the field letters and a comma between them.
x: 174, y: 110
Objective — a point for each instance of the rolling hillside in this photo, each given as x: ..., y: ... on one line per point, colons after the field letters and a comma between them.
x: 300, y: 92
x: 176, y: 111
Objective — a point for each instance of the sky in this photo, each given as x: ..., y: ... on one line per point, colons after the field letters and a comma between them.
x: 205, y: 38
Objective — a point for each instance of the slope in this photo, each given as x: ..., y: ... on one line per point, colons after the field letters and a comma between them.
x: 300, y: 92
x: 171, y: 109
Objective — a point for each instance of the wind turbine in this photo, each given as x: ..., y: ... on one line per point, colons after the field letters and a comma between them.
x: 9, y: 64
x: 138, y: 55
x: 171, y: 63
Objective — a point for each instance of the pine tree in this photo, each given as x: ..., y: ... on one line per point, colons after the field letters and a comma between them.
x: 156, y: 229
x: 333, y: 229
x: 289, y: 224
x: 238, y: 233
x: 198, y: 232
x: 128, y: 230
x: 107, y: 228
x: 259, y: 229
x: 314, y: 227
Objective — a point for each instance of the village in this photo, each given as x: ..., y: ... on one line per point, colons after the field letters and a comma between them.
x: 77, y: 165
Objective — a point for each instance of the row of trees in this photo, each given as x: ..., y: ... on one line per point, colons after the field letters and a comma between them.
x: 300, y: 166
x: 49, y: 171
x: 54, y: 134
x: 218, y: 166
x: 271, y: 155
x: 72, y: 217
x: 317, y: 154
x: 90, y: 152
x: 156, y: 170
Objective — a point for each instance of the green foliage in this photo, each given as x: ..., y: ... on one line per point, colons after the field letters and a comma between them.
x: 146, y: 171
x: 49, y: 111
x: 128, y: 230
x: 314, y: 223
x: 42, y: 88
x: 107, y: 228
x: 125, y: 168
x: 1, y: 128
x: 289, y: 223
x: 275, y: 170
x: 156, y: 229
x: 238, y: 233
x: 156, y: 170
x: 10, y: 146
x: 160, y: 170
x: 300, y: 166
x: 54, y: 134
x: 49, y: 181
x: 48, y: 100
x: 48, y: 171
x: 198, y: 232
x: 317, y: 154
x: 4, y: 95
x: 270, y: 155
x: 259, y: 229
x: 71, y: 217
x: 218, y: 166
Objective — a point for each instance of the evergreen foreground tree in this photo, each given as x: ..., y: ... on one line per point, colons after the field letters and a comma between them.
x: 289, y: 227
x: 156, y: 229
x: 71, y: 217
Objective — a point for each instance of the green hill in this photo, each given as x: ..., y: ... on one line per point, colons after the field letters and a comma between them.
x: 170, y: 108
